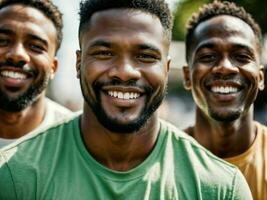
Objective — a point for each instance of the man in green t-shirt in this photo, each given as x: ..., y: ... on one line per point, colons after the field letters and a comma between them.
x: 118, y: 148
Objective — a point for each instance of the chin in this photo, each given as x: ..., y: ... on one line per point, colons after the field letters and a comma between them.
x: 225, y: 117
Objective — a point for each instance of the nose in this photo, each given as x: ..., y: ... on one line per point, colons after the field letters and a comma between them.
x: 225, y: 66
x: 18, y: 54
x: 124, y: 70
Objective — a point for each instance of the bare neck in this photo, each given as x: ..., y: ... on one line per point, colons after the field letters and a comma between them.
x: 17, y: 124
x: 117, y: 151
x: 224, y: 139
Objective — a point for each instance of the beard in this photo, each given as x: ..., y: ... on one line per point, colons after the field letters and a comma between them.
x: 113, y: 124
x: 26, y: 99
x: 225, y: 117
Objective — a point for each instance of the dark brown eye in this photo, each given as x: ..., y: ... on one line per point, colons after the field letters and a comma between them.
x: 4, y: 41
x: 243, y: 58
x: 147, y: 58
x: 103, y: 54
x: 37, y: 48
x: 207, y: 58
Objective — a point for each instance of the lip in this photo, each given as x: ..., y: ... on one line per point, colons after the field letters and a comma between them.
x: 123, y: 89
x: 29, y: 73
x: 121, y: 96
x: 224, y: 90
x: 10, y: 82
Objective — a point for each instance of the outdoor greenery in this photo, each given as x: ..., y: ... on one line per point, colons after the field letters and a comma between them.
x: 185, y: 8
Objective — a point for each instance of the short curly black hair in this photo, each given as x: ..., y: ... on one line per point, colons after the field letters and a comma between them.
x: 47, y: 8
x: 207, y: 11
x: 158, y: 8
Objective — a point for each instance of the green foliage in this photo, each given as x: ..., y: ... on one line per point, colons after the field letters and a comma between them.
x: 185, y: 8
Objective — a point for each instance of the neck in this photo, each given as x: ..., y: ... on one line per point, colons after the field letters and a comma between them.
x: 224, y: 139
x: 17, y: 124
x: 118, y: 151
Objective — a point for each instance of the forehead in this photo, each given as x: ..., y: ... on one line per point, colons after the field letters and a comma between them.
x: 21, y: 18
x: 224, y: 29
x: 119, y: 24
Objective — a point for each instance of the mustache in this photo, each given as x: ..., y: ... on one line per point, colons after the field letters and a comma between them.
x: 20, y: 65
x: 232, y: 78
x: 116, y: 82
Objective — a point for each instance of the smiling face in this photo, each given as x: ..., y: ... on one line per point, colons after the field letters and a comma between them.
x: 27, y: 55
x: 123, y: 67
x: 224, y: 70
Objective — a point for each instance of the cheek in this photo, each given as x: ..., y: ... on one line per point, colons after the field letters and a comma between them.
x: 251, y: 75
x: 42, y: 63
x: 157, y: 77
x: 197, y: 76
x: 43, y: 69
x: 93, y: 70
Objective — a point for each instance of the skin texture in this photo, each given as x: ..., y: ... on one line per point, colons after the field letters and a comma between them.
x: 27, y: 47
x: 225, y: 54
x: 122, y: 51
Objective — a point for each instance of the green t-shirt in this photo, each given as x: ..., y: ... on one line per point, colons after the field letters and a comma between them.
x: 55, y: 165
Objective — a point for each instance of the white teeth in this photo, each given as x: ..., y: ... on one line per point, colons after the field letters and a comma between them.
x: 120, y: 95
x: 124, y: 95
x: 14, y: 75
x: 224, y: 90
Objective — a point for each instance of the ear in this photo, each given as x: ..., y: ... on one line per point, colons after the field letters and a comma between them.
x: 54, y: 68
x: 261, y: 78
x: 78, y: 63
x: 187, y: 78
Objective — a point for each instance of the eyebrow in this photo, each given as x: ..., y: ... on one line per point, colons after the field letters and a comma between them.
x: 34, y: 37
x: 245, y: 47
x: 148, y: 47
x: 98, y: 43
x: 208, y: 45
x: 6, y: 31
x: 104, y: 43
x: 31, y: 36
x: 211, y: 45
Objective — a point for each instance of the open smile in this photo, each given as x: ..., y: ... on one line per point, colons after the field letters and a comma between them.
x: 124, y: 95
x: 14, y: 78
x: 224, y: 89
x: 13, y: 75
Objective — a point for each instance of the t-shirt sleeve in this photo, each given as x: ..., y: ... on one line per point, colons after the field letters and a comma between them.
x: 7, y: 190
x: 241, y: 189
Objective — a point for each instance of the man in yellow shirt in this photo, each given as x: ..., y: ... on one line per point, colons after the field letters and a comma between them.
x: 224, y: 74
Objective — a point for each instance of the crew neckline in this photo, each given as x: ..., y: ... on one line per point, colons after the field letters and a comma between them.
x: 120, y: 176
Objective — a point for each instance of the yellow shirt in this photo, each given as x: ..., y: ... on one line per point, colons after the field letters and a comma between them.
x: 253, y: 164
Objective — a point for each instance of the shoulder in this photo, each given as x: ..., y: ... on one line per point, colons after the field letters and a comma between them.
x: 184, y: 141
x: 27, y: 160
x: 56, y: 108
x: 261, y: 129
x: 39, y: 135
x: 261, y: 136
x: 206, y: 168
x: 196, y: 154
x: 54, y: 114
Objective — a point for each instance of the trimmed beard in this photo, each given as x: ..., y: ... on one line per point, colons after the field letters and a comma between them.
x: 114, y: 125
x: 21, y: 102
